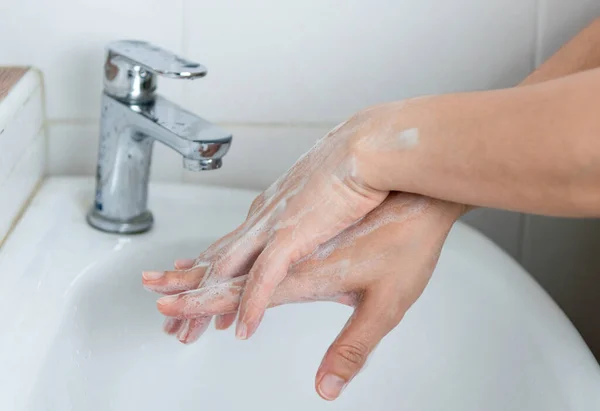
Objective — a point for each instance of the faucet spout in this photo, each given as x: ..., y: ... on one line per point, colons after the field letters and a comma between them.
x: 191, y: 136
x: 133, y: 116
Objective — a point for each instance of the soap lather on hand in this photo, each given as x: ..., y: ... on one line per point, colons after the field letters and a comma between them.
x: 380, y: 266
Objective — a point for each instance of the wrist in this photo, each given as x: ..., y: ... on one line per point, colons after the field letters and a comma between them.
x: 432, y: 224
x: 449, y: 212
x: 467, y: 208
x: 438, y: 214
x: 387, y: 143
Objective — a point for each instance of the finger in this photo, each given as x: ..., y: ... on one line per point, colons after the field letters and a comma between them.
x: 224, y: 321
x: 220, y: 269
x: 221, y: 298
x: 173, y: 282
x: 192, y: 329
x: 268, y: 270
x: 348, y: 299
x: 369, y: 323
x: 224, y: 298
x: 172, y: 325
x: 257, y: 204
x: 218, y: 265
x: 226, y: 266
x: 184, y: 263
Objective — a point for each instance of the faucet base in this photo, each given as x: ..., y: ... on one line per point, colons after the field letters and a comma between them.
x: 139, y: 224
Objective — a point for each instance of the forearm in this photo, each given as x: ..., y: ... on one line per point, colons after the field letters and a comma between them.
x: 533, y: 149
x: 579, y: 54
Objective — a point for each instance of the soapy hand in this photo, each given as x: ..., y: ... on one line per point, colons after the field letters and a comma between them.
x: 320, y: 196
x: 380, y: 265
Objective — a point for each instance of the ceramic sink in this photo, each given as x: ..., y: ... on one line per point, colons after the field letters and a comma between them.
x: 81, y: 333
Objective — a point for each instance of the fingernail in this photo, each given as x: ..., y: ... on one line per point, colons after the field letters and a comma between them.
x: 169, y: 299
x: 241, y: 332
x: 171, y: 325
x: 331, y: 386
x: 183, y: 331
x: 184, y: 263
x: 219, y: 323
x: 152, y: 275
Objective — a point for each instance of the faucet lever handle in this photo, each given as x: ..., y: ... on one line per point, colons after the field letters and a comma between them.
x: 131, y: 68
x: 156, y: 60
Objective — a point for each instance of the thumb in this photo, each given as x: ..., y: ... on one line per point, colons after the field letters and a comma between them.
x: 372, y: 319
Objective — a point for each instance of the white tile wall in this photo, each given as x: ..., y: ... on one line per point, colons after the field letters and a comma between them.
x: 286, y: 63
x: 73, y: 147
x: 560, y: 20
x: 278, y: 61
x: 259, y: 155
x: 315, y: 60
x: 66, y: 39
x: 282, y: 73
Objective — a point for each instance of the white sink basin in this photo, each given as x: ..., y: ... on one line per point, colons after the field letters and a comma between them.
x: 80, y: 332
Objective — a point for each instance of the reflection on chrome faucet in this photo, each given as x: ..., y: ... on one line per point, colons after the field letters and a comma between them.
x: 132, y: 118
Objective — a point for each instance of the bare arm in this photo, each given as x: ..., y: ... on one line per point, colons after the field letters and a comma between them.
x: 534, y: 148
x: 579, y: 54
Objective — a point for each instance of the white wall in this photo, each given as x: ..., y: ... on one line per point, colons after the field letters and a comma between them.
x: 281, y: 73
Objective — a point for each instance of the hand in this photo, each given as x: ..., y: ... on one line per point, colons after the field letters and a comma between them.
x: 379, y: 265
x: 320, y: 196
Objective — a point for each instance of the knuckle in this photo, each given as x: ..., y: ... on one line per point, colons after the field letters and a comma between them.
x: 256, y: 203
x: 255, y: 304
x: 353, y: 354
x: 393, y: 316
x: 218, y: 265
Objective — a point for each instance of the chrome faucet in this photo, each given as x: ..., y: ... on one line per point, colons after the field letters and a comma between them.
x: 132, y: 117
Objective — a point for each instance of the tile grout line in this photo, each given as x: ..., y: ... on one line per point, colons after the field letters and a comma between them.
x: 72, y: 121
x: 94, y: 121
x: 525, y: 219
